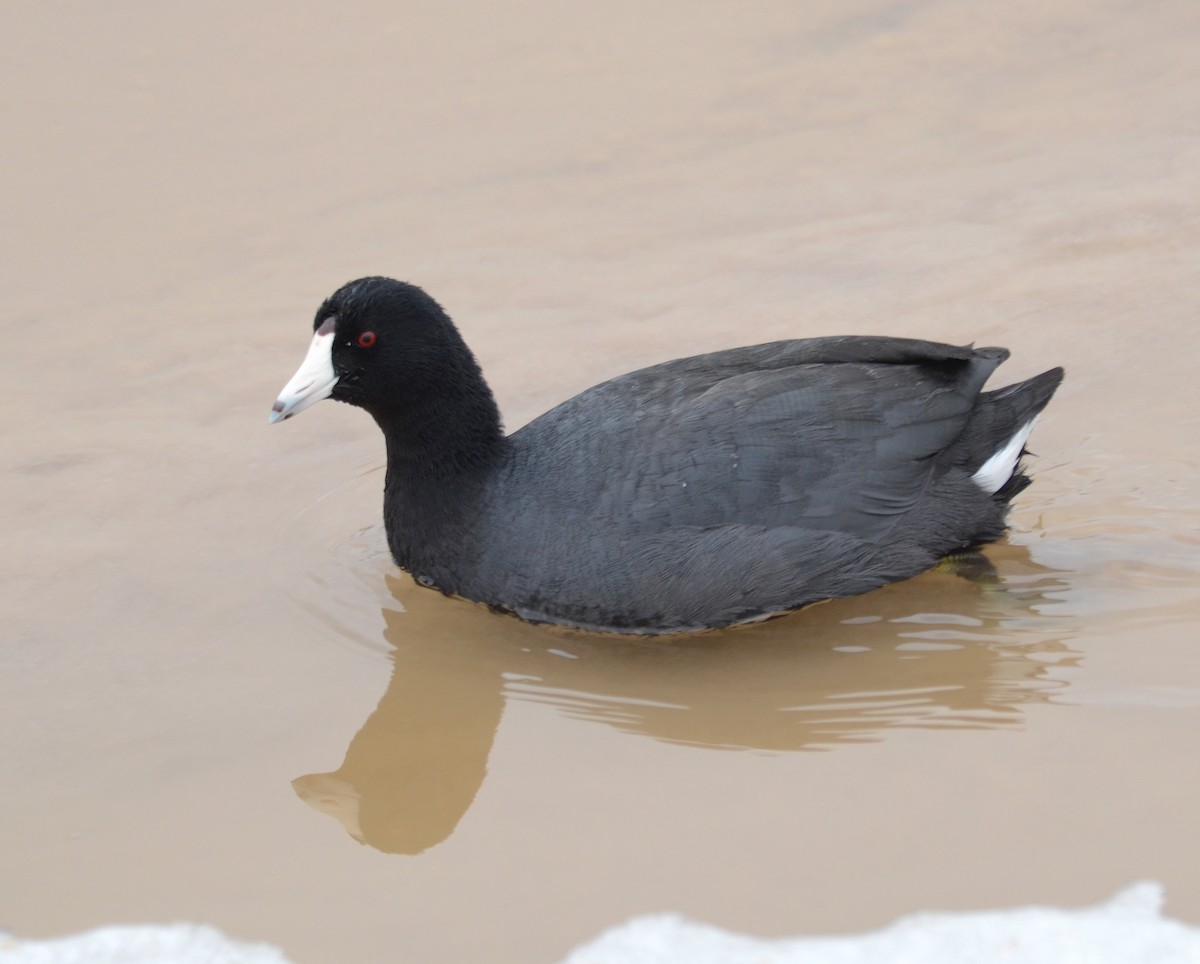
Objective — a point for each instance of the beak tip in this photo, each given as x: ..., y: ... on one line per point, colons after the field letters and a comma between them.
x: 279, y: 412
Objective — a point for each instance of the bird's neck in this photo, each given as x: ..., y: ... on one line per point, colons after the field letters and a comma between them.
x: 443, y: 439
x: 441, y: 457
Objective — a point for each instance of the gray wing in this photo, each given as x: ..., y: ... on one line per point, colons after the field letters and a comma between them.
x: 838, y: 434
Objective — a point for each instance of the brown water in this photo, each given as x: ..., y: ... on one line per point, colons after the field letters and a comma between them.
x: 221, y: 703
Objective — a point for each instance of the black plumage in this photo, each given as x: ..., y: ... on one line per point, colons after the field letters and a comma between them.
x: 693, y: 494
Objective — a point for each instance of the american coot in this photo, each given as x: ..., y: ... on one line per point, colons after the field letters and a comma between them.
x: 689, y: 495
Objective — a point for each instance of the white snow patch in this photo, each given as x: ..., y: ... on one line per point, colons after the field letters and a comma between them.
x: 1127, y: 929
x: 140, y: 944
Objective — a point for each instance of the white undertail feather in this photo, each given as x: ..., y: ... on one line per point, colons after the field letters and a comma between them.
x: 998, y: 469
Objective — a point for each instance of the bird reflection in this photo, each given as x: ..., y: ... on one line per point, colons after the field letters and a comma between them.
x: 936, y: 651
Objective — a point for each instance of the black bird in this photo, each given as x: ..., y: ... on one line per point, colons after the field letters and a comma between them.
x: 690, y: 495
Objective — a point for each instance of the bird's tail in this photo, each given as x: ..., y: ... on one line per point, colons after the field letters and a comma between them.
x: 994, y: 440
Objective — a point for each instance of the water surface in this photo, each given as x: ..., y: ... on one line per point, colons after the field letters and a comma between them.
x: 221, y: 702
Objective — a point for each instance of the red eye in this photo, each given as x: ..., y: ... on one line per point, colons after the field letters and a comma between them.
x: 366, y: 339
